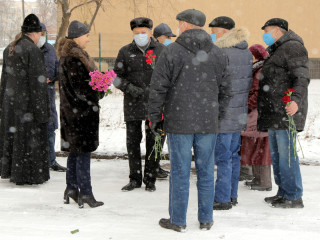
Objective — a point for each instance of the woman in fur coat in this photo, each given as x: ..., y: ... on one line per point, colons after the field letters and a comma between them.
x: 79, y: 113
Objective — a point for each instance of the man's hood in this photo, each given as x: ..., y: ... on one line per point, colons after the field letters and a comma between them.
x: 195, y: 40
x: 236, y: 37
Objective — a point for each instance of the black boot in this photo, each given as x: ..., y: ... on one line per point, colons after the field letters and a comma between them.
x: 165, y: 223
x: 131, y: 185
x: 70, y: 193
x: 90, y: 200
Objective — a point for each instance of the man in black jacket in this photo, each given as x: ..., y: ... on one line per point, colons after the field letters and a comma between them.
x: 286, y: 68
x: 134, y: 76
x: 51, y: 62
x: 185, y: 86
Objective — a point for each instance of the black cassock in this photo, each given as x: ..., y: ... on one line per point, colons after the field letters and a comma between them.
x: 24, y: 115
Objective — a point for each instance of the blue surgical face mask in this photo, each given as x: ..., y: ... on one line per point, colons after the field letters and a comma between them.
x: 268, y: 39
x: 167, y: 42
x: 141, y: 39
x: 213, y: 37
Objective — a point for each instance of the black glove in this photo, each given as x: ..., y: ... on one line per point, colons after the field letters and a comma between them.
x: 134, y: 91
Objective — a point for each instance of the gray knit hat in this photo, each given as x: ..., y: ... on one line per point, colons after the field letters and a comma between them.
x: 77, y: 29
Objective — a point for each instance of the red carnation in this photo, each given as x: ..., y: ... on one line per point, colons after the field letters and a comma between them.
x: 147, y: 55
x: 149, y: 61
x: 286, y: 99
x: 289, y: 90
x: 150, y: 52
x: 153, y: 56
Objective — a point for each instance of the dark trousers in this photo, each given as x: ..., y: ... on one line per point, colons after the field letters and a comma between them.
x: 78, y: 172
x: 52, y: 152
x: 134, y: 137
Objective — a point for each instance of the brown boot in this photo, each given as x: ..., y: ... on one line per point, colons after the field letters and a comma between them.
x: 265, y: 176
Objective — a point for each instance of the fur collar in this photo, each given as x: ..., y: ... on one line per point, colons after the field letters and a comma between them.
x: 69, y: 48
x: 233, y: 37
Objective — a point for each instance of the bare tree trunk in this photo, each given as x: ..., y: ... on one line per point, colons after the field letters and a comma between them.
x: 66, y: 14
x: 95, y: 13
x: 23, y: 16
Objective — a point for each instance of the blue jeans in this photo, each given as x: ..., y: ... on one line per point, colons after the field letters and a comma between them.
x: 228, y: 166
x: 180, y: 155
x: 52, y: 152
x: 78, y: 172
x: 287, y: 178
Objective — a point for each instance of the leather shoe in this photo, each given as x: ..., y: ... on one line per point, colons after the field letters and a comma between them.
x: 58, y: 168
x: 222, y: 206
x: 165, y: 223
x: 272, y: 199
x: 130, y: 186
x: 162, y: 173
x: 206, y: 226
x: 286, y: 203
x: 150, y: 187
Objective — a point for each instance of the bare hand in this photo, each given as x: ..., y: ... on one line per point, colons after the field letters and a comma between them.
x: 48, y: 80
x: 292, y: 108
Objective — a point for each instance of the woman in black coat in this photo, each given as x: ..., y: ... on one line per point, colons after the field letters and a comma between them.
x: 24, y: 109
x: 79, y: 113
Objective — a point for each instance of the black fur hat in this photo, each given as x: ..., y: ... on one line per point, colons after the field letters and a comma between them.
x: 31, y: 24
x: 141, y: 22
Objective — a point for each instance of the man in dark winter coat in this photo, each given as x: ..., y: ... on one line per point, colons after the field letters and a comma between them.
x: 163, y: 34
x: 51, y: 61
x: 185, y: 87
x: 24, y: 109
x: 286, y: 67
x: 233, y: 42
x: 134, y: 76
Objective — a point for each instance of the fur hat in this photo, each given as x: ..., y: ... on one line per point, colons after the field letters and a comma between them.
x: 259, y: 52
x: 31, y: 24
x: 141, y: 22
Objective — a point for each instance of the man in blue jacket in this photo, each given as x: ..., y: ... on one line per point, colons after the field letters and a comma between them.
x: 233, y: 42
x: 51, y: 62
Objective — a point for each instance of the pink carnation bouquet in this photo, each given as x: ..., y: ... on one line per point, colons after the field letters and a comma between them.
x: 101, y: 81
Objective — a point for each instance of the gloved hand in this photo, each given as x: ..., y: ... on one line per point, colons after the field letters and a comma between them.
x: 134, y: 91
x: 155, y: 128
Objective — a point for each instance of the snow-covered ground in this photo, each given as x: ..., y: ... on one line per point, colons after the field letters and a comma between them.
x: 38, y: 212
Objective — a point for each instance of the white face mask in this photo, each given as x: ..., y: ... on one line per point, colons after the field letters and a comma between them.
x: 41, y: 42
x: 141, y: 39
